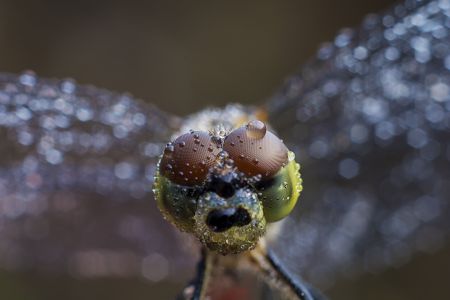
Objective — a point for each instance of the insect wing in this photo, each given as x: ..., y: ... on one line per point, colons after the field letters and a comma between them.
x: 368, y: 119
x: 76, y: 173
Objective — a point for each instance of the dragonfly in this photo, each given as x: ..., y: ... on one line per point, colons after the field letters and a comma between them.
x: 367, y: 119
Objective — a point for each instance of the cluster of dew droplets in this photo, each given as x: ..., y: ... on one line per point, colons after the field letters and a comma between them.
x: 219, y: 132
x: 187, y: 160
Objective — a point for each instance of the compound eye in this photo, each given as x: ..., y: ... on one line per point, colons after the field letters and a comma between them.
x: 255, y: 150
x: 187, y: 160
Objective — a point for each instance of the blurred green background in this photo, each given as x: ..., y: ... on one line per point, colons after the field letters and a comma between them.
x: 183, y: 56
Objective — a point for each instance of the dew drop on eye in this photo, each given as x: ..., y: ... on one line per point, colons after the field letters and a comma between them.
x: 256, y: 150
x: 256, y: 129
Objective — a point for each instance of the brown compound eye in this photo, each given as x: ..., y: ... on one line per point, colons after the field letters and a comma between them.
x: 255, y: 150
x: 187, y: 160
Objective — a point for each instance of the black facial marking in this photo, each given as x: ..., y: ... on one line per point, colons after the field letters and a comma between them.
x: 220, y: 220
x: 224, y: 186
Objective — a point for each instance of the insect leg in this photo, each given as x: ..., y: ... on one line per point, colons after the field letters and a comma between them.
x: 279, y: 278
x: 196, y: 289
x: 303, y: 290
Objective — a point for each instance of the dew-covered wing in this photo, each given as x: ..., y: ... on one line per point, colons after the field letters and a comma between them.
x: 369, y: 120
x: 76, y: 172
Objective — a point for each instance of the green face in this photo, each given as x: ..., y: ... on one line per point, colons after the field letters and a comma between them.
x: 226, y: 194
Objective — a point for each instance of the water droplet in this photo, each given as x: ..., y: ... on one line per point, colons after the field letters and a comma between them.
x: 169, y: 148
x: 182, y: 144
x: 28, y: 78
x: 348, y: 168
x: 256, y: 129
x: 68, y: 86
x: 229, y: 163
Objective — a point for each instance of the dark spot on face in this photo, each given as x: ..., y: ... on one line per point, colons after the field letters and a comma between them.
x: 220, y: 220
